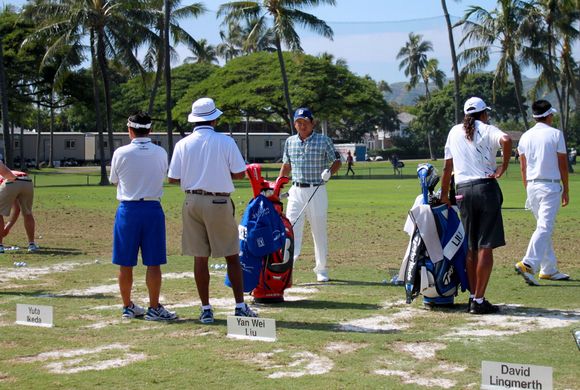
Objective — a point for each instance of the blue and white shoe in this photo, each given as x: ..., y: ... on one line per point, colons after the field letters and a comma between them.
x: 32, y: 247
x: 133, y: 311
x: 160, y: 314
x: 245, y: 311
x: 206, y: 316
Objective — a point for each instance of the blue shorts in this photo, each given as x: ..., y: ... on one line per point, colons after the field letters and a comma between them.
x: 139, y: 224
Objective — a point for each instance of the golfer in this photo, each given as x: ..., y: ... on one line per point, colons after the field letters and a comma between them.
x: 205, y: 162
x: 16, y: 196
x: 544, y: 166
x: 138, y: 170
x: 470, y: 151
x: 312, y: 160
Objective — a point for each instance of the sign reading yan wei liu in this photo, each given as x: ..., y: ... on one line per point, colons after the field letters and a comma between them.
x: 34, y: 315
x: 263, y: 329
x: 495, y: 375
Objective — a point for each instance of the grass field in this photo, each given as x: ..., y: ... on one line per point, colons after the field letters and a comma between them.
x: 354, y: 332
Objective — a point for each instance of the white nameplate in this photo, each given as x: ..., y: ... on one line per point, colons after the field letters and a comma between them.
x: 34, y: 315
x: 495, y: 375
x: 263, y: 329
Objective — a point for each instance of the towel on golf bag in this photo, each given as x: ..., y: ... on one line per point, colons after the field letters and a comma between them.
x: 431, y: 278
x: 261, y: 232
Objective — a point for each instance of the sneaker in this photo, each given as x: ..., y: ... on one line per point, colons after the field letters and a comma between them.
x: 245, y: 311
x: 160, y: 314
x: 32, y: 247
x: 133, y: 311
x: 206, y: 316
x: 483, y: 308
x: 555, y: 276
x: 469, y: 302
x: 322, y: 276
x: 527, y: 273
x: 1, y: 248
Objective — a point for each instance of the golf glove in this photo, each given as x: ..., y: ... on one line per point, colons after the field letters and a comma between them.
x: 325, y: 175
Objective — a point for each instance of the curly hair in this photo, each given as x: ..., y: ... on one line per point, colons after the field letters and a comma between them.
x: 469, y: 124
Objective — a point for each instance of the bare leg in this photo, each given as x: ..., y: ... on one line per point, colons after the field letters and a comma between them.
x: 201, y: 271
x: 471, y: 267
x: 235, y: 276
x: 153, y: 280
x: 29, y: 226
x: 126, y: 284
x: 484, y: 268
x: 2, y: 233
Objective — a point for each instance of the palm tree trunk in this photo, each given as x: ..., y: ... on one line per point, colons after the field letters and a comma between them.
x: 98, y: 119
x: 518, y: 90
x: 38, y: 134
x: 428, y: 97
x: 285, y: 82
x: 5, y: 124
x: 167, y: 71
x: 156, y: 82
x: 107, y: 87
x: 456, y: 80
x: 51, y: 129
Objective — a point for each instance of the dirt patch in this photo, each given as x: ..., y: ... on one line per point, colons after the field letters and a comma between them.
x: 381, y: 324
x: 420, y: 351
x: 179, y: 275
x: 95, y: 290
x: 304, y: 363
x: 342, y: 347
x: 411, y: 378
x: 74, y: 366
x: 31, y: 273
x: 514, y: 320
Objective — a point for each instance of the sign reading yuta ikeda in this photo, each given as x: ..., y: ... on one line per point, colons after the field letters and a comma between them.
x: 34, y: 315
x: 263, y: 329
x: 495, y: 375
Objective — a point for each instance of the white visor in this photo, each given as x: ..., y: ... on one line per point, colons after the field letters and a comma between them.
x: 138, y: 125
x: 551, y: 111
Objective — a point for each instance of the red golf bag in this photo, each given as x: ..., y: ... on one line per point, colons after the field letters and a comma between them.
x: 276, y: 273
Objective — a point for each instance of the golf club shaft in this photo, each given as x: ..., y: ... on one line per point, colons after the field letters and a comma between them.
x: 309, y: 199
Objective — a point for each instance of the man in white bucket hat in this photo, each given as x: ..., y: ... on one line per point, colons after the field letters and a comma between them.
x: 544, y: 167
x: 204, y: 163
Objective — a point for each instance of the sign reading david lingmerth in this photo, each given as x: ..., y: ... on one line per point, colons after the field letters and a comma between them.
x: 496, y: 375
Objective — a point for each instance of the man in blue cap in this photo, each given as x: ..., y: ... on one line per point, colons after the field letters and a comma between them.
x: 312, y: 160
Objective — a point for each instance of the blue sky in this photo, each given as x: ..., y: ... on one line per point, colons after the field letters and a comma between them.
x: 368, y: 33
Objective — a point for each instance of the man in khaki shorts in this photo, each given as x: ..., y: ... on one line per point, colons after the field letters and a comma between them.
x: 204, y: 163
x: 17, y: 188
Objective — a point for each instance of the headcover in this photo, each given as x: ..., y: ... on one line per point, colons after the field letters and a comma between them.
x: 428, y: 177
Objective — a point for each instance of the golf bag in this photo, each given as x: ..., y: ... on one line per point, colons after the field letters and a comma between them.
x: 434, y: 264
x: 266, y: 241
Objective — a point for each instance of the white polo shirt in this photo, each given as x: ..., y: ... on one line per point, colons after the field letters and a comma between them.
x: 139, y: 170
x: 473, y: 160
x: 205, y: 160
x: 540, y: 145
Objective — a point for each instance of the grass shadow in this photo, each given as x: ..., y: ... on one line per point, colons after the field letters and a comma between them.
x: 318, y: 304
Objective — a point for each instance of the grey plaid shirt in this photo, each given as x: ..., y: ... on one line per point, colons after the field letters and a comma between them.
x: 309, y: 158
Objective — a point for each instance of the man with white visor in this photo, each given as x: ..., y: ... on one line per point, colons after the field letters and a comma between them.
x: 544, y: 167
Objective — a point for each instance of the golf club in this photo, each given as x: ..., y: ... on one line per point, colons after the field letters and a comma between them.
x: 308, y: 202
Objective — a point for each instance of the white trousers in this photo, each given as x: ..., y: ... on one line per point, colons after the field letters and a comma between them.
x: 315, y: 212
x: 544, y: 202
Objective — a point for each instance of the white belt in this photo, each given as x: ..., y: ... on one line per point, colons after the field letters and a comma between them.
x: 544, y: 181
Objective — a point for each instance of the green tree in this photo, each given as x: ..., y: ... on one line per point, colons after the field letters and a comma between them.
x: 284, y: 15
x: 204, y: 53
x: 500, y: 31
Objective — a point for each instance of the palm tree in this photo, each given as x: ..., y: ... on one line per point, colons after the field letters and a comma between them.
x: 4, y: 107
x: 414, y: 60
x: 503, y: 31
x: 232, y: 42
x: 456, y: 81
x: 155, y: 55
x: 117, y: 28
x: 284, y: 15
x: 204, y: 53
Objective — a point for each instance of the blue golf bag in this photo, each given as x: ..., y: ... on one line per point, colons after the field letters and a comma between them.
x: 434, y: 264
x: 261, y: 232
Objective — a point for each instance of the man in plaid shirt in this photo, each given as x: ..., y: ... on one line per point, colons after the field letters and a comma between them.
x: 309, y: 155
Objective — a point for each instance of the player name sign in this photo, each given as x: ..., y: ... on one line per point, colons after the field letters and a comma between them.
x: 263, y: 329
x: 34, y: 315
x: 495, y: 375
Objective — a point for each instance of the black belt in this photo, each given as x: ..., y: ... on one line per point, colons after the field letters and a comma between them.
x: 202, y: 192
x: 475, y: 182
x: 305, y: 185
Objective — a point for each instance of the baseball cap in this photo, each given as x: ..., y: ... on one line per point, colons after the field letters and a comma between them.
x: 203, y: 110
x: 473, y: 105
x: 303, y: 113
